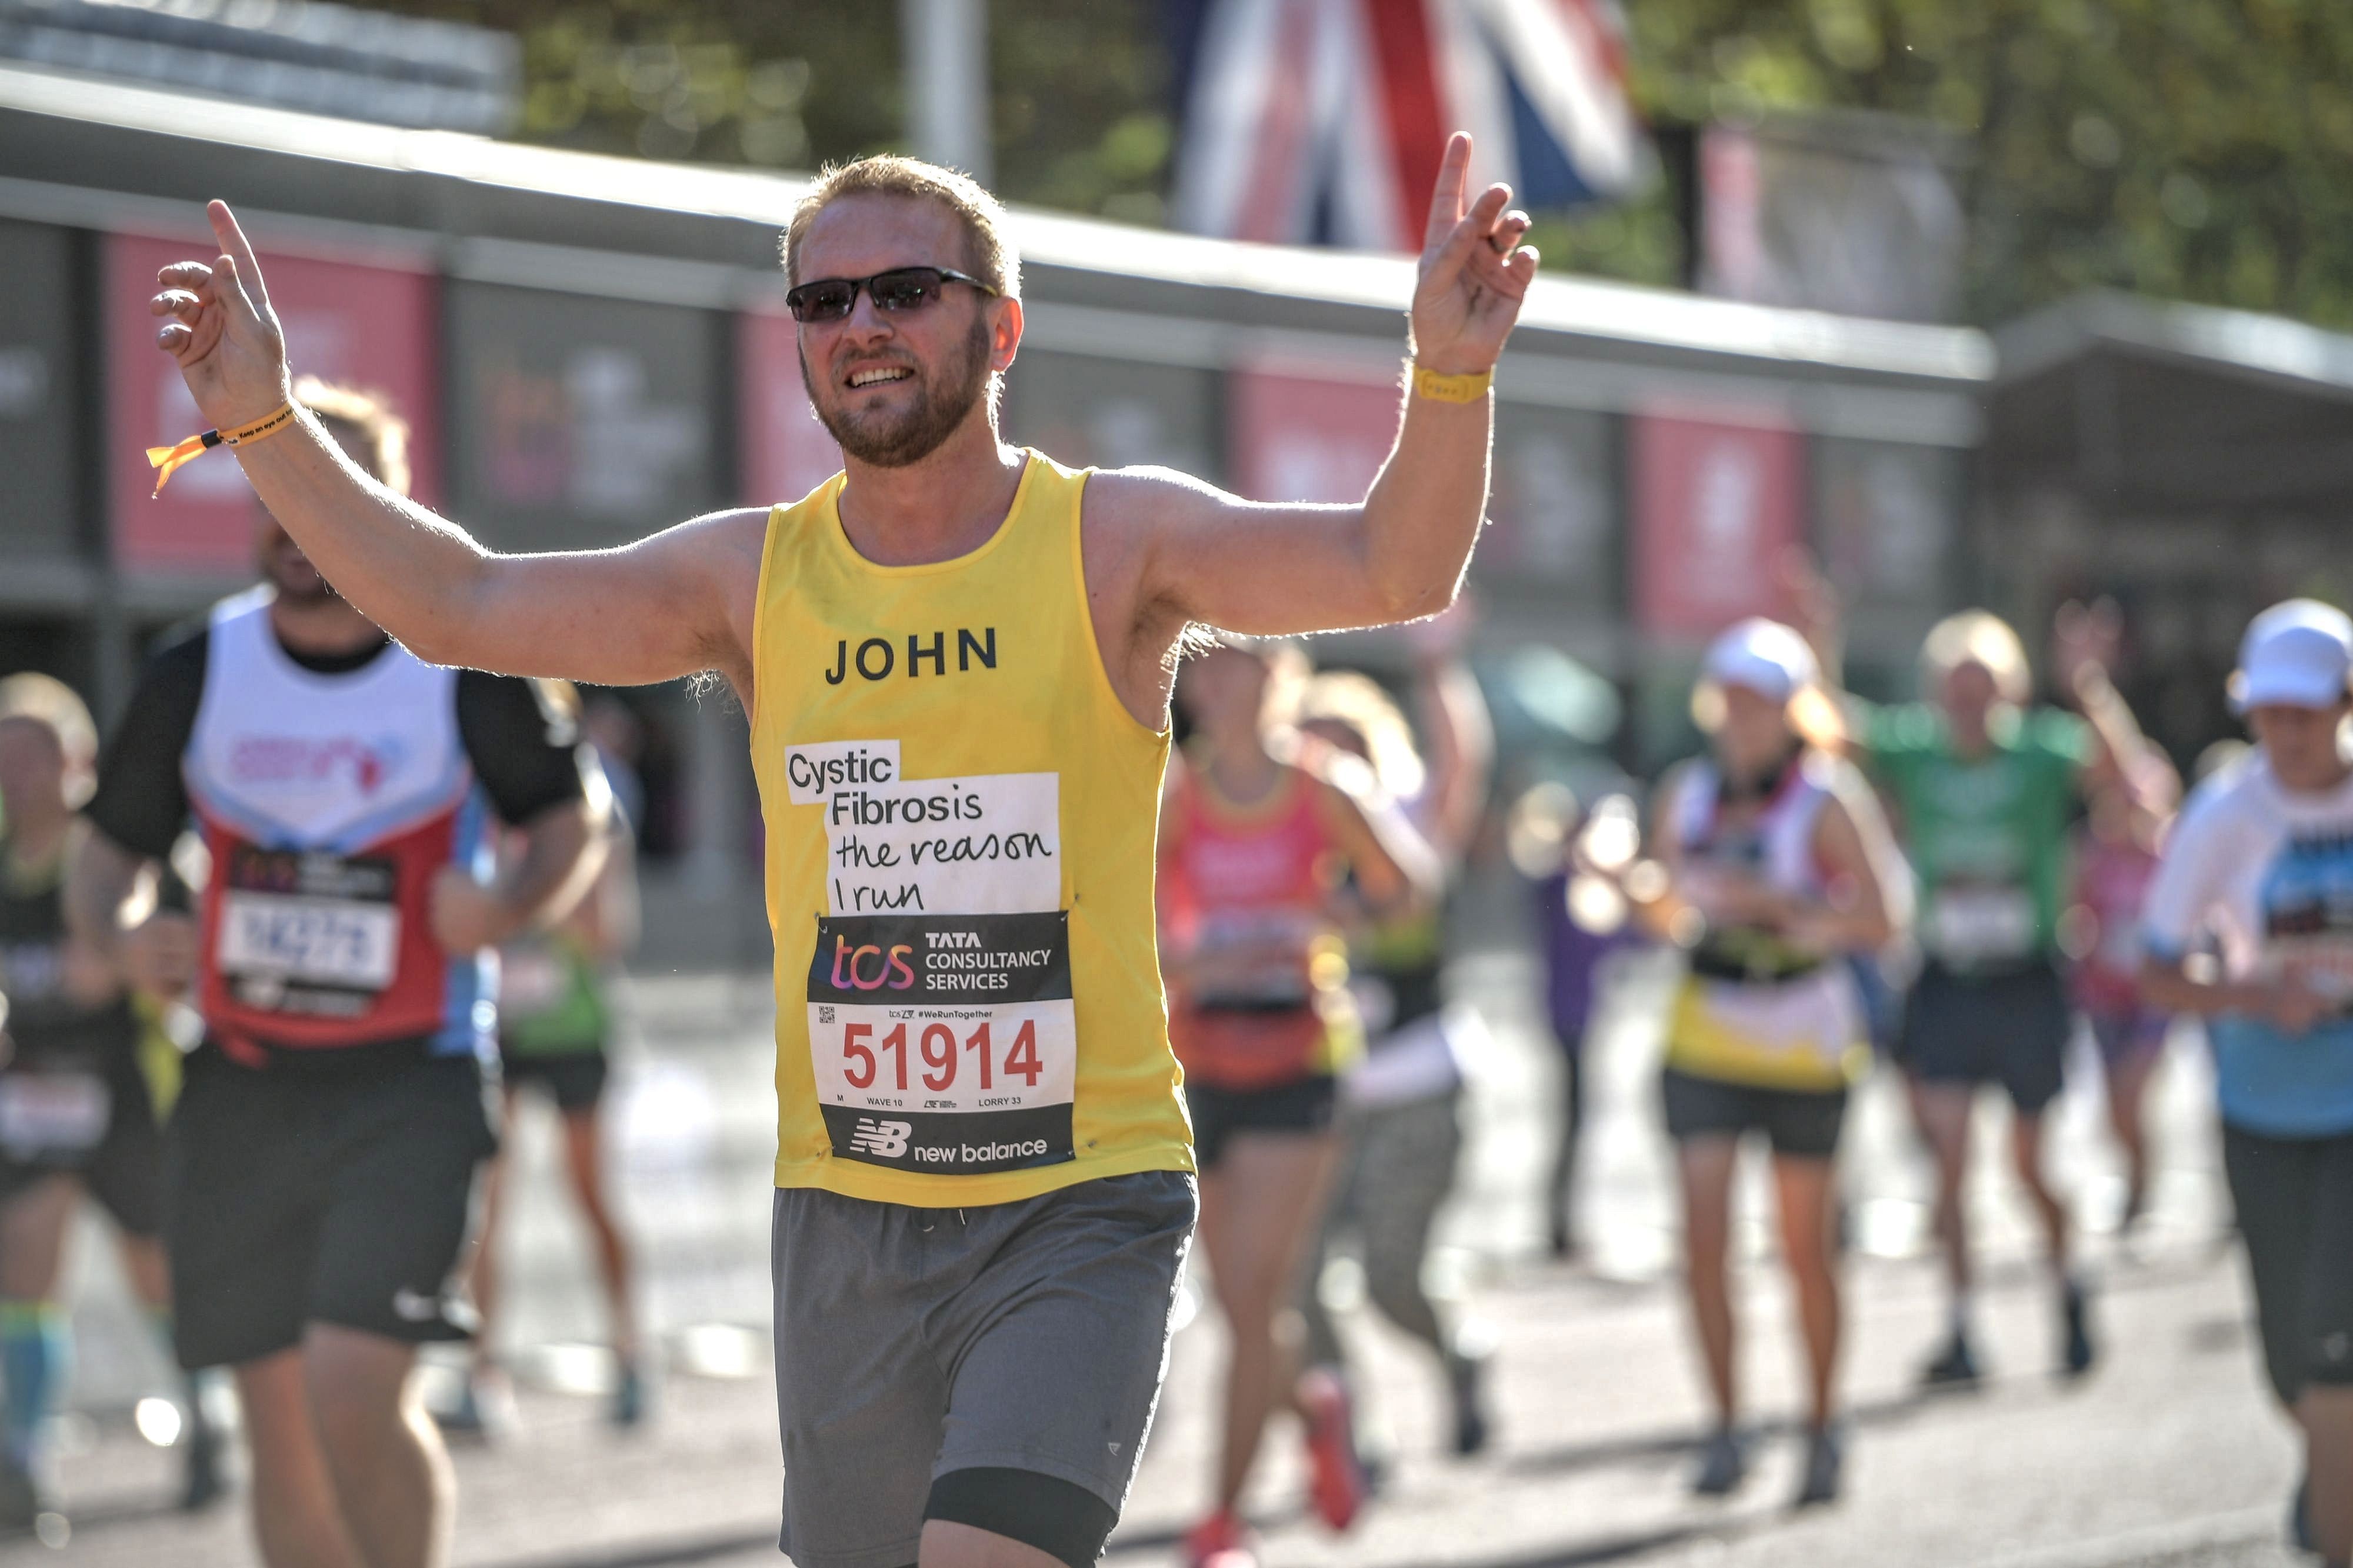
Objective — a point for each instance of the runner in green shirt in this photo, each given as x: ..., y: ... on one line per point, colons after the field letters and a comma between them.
x: 1984, y: 787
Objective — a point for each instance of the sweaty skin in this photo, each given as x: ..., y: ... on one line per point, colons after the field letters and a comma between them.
x: 1162, y: 550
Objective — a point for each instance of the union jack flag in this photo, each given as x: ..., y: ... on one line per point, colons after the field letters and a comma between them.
x: 1322, y: 121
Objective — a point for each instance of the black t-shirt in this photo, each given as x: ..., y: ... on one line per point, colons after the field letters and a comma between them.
x: 46, y: 1025
x: 526, y: 752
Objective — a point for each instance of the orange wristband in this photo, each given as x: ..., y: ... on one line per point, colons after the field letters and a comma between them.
x: 167, y: 460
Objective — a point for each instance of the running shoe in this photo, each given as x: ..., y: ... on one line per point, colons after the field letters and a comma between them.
x: 1336, y: 1482
x: 202, y: 1480
x: 1723, y: 1465
x: 2075, y: 1312
x: 1220, y: 1540
x: 1467, y: 1375
x: 629, y: 1397
x: 485, y: 1409
x: 1954, y: 1367
x: 1825, y: 1464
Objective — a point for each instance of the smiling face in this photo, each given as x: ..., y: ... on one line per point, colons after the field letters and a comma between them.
x: 892, y: 387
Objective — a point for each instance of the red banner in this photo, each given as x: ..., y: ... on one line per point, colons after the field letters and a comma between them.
x: 371, y: 325
x: 1308, y: 436
x: 1718, y: 504
x: 786, y: 452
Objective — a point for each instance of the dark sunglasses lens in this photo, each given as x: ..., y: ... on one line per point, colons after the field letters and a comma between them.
x: 905, y: 290
x: 826, y: 301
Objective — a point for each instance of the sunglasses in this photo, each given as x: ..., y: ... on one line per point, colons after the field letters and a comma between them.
x: 900, y: 289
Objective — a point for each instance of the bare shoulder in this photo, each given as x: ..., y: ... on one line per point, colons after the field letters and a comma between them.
x: 1147, y: 497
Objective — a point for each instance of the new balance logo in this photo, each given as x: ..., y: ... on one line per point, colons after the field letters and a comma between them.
x: 883, y: 1139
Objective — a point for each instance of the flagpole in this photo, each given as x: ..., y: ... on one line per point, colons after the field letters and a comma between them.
x: 945, y: 44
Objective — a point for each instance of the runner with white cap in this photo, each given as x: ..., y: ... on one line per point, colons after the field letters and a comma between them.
x: 2262, y: 861
x: 1779, y: 865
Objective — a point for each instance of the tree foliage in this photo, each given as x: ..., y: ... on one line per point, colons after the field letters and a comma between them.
x: 2197, y: 149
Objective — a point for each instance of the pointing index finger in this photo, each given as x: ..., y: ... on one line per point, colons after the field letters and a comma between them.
x: 1446, y: 200
x: 237, y: 247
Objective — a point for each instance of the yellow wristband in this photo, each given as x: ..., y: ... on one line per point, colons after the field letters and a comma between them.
x: 167, y: 460
x: 1451, y: 388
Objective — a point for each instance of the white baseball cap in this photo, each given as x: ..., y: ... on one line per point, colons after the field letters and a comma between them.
x: 2298, y: 654
x: 1765, y: 657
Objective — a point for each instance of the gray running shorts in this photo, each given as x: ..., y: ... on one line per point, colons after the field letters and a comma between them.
x: 915, y: 1341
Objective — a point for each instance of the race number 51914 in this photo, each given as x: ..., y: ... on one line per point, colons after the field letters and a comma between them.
x: 941, y: 1058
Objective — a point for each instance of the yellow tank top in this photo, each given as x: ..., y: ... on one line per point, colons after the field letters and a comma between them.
x: 960, y: 824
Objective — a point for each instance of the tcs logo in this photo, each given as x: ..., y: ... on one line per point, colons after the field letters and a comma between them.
x: 889, y: 968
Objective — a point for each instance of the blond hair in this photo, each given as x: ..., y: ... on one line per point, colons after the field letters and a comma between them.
x: 988, y: 255
x: 1977, y: 636
x: 1357, y: 702
x: 45, y: 700
x: 382, y: 434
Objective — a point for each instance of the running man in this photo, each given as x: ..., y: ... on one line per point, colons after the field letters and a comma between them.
x: 76, y: 1114
x: 956, y: 657
x: 1255, y: 841
x: 1780, y: 868
x: 323, y: 1150
x: 1985, y: 786
x: 2262, y: 863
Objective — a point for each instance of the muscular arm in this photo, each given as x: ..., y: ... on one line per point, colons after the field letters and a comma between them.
x: 673, y: 605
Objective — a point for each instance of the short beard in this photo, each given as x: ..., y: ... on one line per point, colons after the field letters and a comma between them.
x: 921, y: 431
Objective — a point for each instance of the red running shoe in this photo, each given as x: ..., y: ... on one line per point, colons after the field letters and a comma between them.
x: 1220, y: 1540
x: 1338, y: 1487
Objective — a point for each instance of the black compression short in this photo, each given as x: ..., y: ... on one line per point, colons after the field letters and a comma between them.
x: 1062, y: 1520
x: 2295, y: 1197
x: 1304, y: 1105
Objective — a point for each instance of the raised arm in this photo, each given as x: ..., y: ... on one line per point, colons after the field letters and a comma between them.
x: 1459, y: 734
x: 1393, y: 864
x: 1210, y: 557
x: 676, y: 603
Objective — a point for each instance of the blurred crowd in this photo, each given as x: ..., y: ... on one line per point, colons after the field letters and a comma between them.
x: 1945, y: 890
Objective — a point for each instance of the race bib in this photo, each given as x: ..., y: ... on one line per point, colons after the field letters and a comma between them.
x: 945, y: 1043
x: 308, y: 933
x: 44, y: 1115
x: 942, y: 1035
x: 1970, y: 925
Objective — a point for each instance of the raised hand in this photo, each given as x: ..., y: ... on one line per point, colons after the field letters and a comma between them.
x: 1475, y: 272
x: 221, y: 331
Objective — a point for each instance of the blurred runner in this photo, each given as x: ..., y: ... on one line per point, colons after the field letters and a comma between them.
x: 956, y: 657
x: 2262, y: 861
x: 2116, y: 860
x: 1401, y: 1107
x: 1253, y: 846
x: 1578, y: 864
x: 75, y: 1115
x: 555, y: 1028
x: 1779, y: 866
x: 323, y: 1150
x: 1985, y: 787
